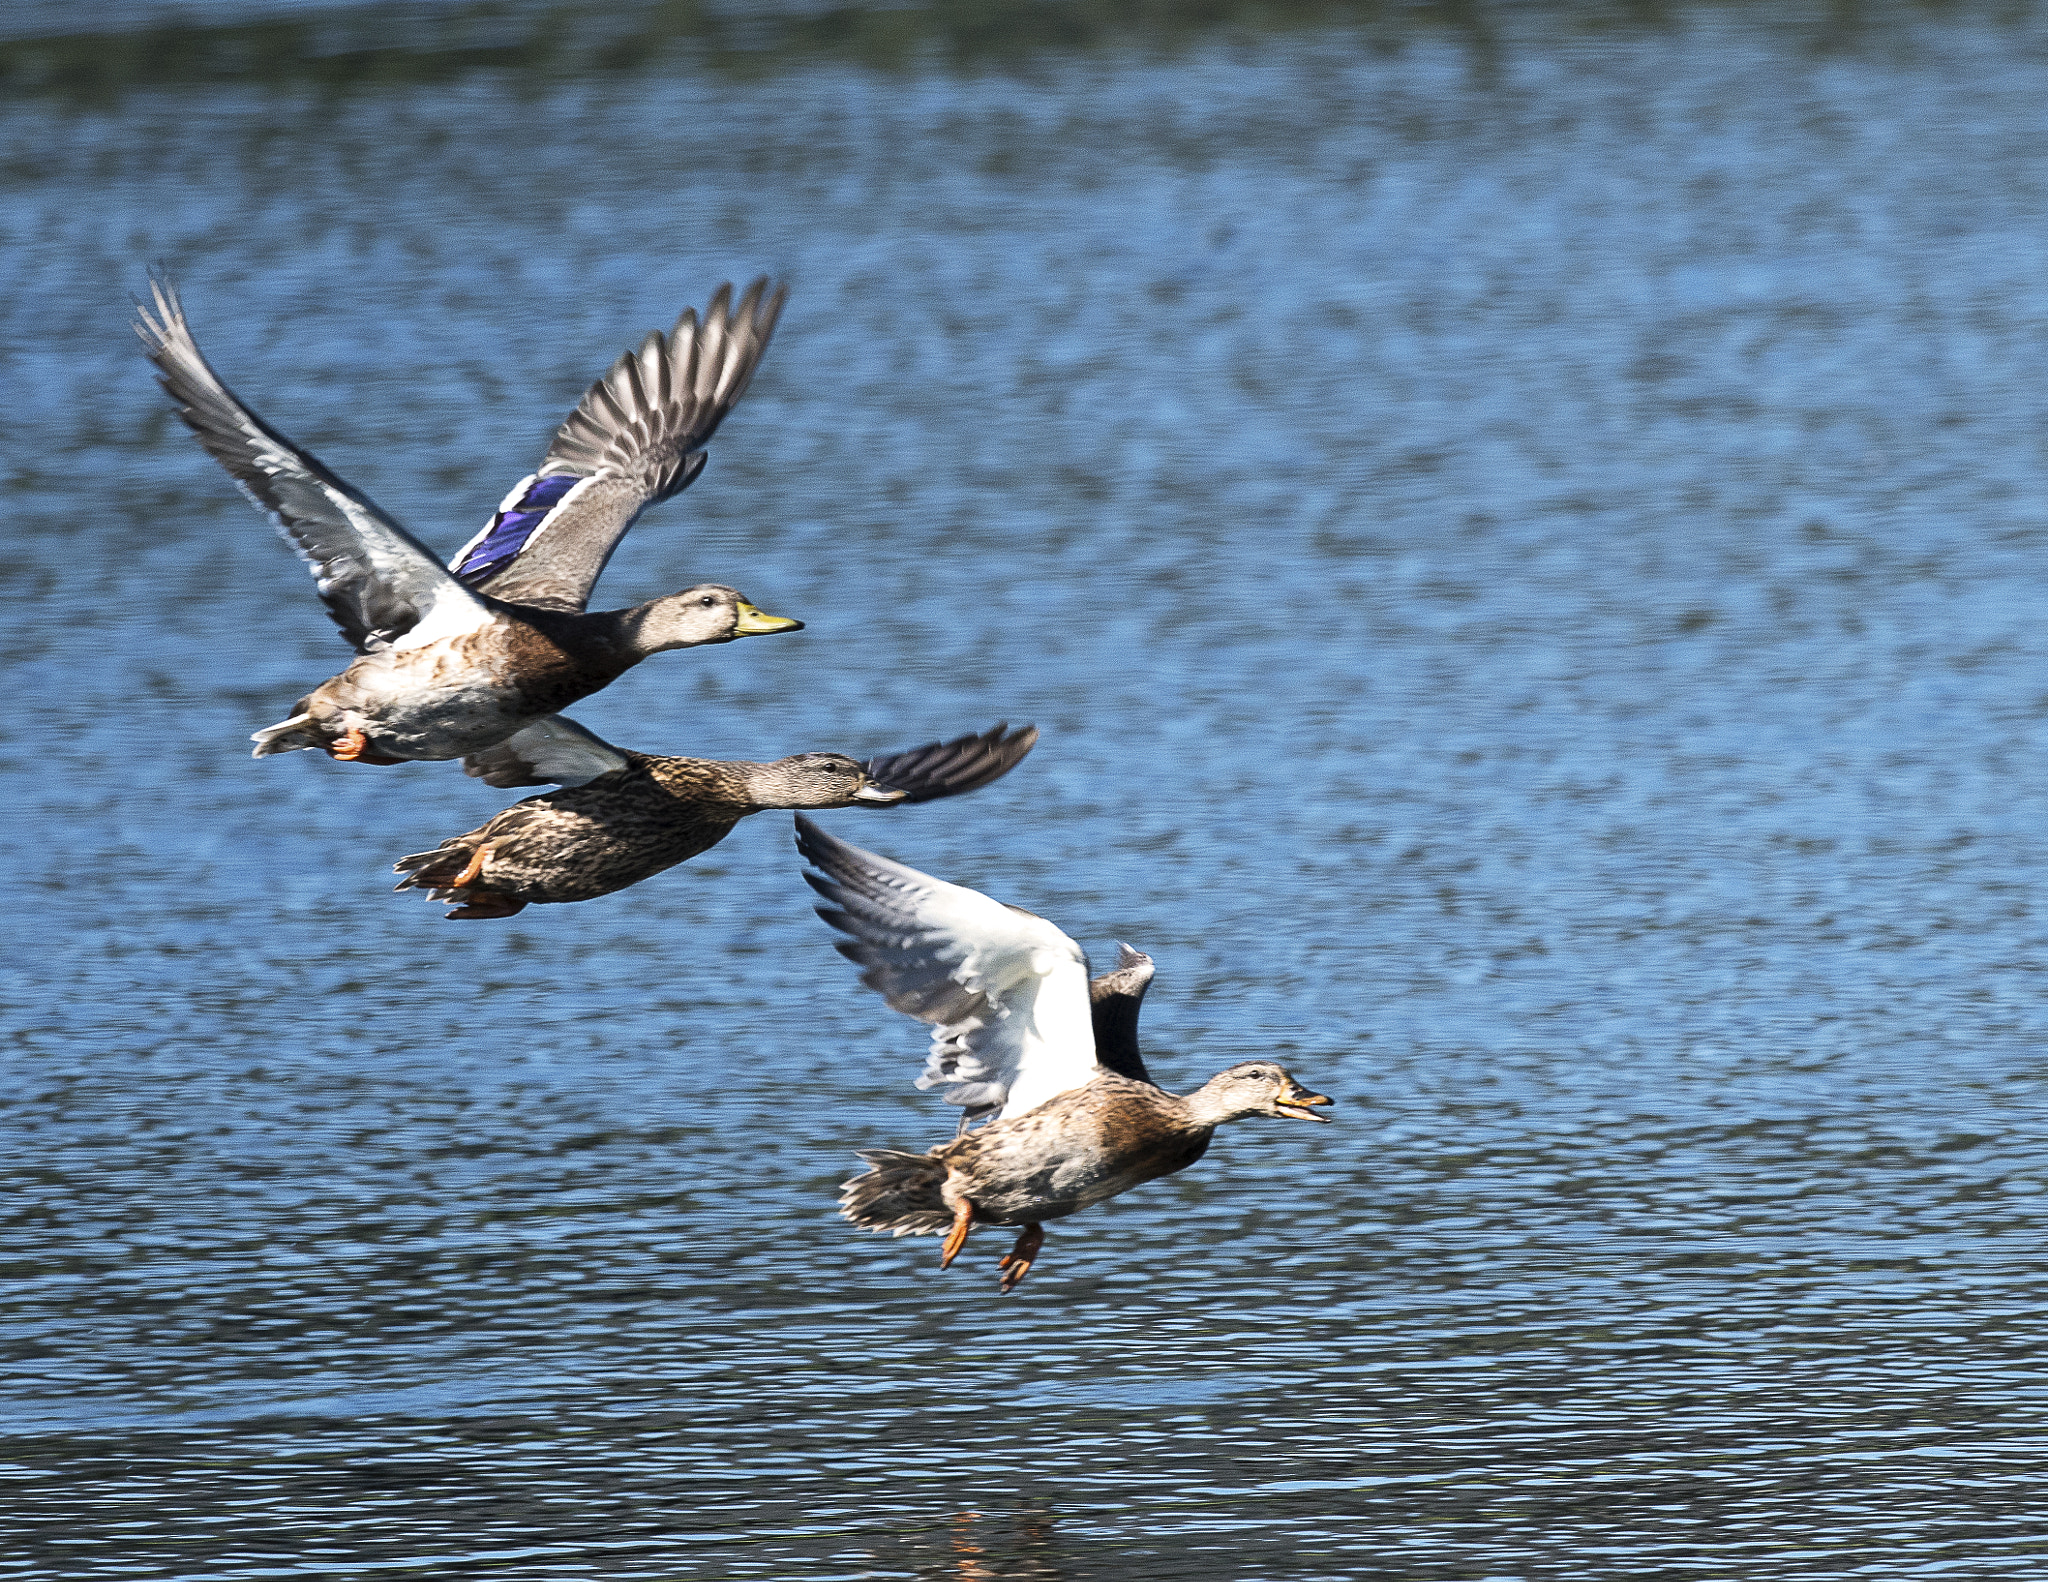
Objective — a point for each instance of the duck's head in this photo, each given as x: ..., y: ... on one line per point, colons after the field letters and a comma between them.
x: 817, y: 780
x: 707, y: 613
x: 1262, y: 1087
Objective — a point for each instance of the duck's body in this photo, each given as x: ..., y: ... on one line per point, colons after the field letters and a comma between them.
x: 1018, y: 1031
x: 585, y: 841
x: 448, y: 698
x: 463, y: 694
x: 452, y: 660
x: 1077, y: 1149
x: 624, y: 816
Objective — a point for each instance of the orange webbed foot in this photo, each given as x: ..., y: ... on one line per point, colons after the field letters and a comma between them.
x: 1018, y: 1260
x: 477, y: 859
x: 353, y: 746
x: 956, y: 1238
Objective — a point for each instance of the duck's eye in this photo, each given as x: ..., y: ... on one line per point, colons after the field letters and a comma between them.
x: 707, y: 601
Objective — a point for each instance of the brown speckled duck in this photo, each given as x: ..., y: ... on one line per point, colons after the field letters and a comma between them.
x: 452, y: 660
x: 624, y: 816
x: 1021, y: 1033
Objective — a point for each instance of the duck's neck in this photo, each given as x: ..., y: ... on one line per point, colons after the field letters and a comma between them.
x: 745, y: 787
x: 628, y: 634
x: 606, y: 642
x: 1207, y: 1107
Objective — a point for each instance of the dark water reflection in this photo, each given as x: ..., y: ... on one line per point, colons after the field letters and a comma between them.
x: 1529, y: 563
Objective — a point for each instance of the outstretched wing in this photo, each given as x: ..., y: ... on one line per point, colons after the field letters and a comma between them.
x: 943, y: 769
x: 637, y: 438
x: 554, y: 750
x: 383, y: 587
x: 1113, y: 1001
x: 1006, y: 992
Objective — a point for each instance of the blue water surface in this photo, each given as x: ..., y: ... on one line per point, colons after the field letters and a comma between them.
x: 1525, y: 530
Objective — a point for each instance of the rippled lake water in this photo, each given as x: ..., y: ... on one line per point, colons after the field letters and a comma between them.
x: 1525, y: 530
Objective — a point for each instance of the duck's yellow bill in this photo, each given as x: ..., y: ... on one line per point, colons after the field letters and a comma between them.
x: 1297, y: 1105
x: 759, y: 623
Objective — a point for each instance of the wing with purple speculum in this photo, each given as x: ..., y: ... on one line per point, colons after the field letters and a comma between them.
x: 516, y: 521
x: 636, y: 439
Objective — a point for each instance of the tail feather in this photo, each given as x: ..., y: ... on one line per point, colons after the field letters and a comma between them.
x: 899, y: 1193
x: 286, y: 736
x: 427, y: 870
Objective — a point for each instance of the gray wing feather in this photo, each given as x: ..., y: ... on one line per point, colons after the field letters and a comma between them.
x: 551, y: 751
x: 639, y: 435
x: 376, y: 579
x: 1004, y: 990
x: 1113, y: 1001
x: 943, y: 769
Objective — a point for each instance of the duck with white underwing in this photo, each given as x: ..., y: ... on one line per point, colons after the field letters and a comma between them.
x: 624, y: 816
x: 1019, y: 1033
x: 452, y: 660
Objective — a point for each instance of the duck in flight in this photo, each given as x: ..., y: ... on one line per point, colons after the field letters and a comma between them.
x: 1020, y: 1033
x: 451, y: 660
x: 624, y: 816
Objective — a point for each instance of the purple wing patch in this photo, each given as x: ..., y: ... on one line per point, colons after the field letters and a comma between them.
x: 498, y: 545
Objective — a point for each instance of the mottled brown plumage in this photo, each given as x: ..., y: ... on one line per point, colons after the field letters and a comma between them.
x: 634, y: 814
x: 1088, y: 1144
x: 467, y: 692
x: 1019, y: 1030
x: 589, y: 840
x: 1080, y: 1148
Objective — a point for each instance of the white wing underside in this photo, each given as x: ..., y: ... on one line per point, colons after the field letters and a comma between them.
x: 383, y: 587
x: 553, y: 750
x: 1006, y: 992
x: 447, y: 616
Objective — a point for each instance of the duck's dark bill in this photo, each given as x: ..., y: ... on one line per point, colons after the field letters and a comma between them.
x: 1298, y: 1106
x: 758, y: 623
